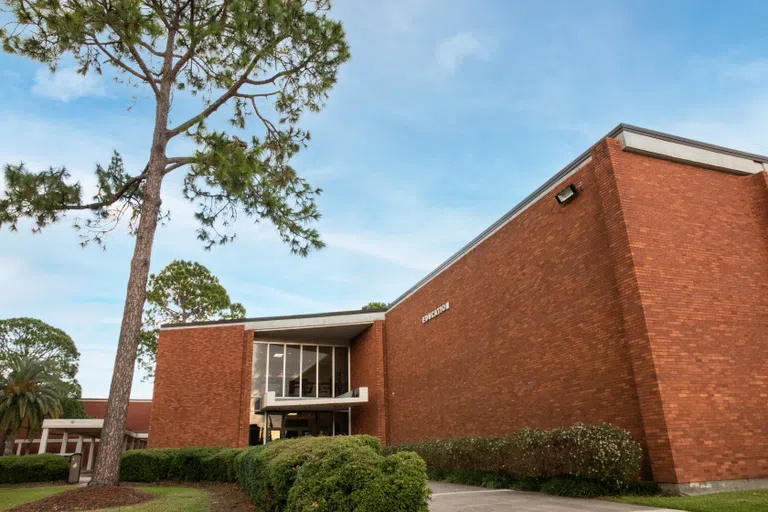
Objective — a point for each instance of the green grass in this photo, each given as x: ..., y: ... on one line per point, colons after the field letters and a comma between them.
x: 169, y: 499
x: 12, y: 496
x: 743, y: 501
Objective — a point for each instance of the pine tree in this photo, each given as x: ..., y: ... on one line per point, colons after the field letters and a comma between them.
x: 268, y: 60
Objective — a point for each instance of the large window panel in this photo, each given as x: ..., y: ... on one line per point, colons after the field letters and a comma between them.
x: 325, y: 372
x: 259, y: 376
x: 341, y: 370
x: 292, y: 370
x: 275, y: 381
x: 309, y: 375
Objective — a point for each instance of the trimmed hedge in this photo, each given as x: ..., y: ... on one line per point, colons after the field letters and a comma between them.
x: 328, y: 474
x: 604, y: 455
x: 179, y: 465
x: 45, y: 467
x: 323, y: 474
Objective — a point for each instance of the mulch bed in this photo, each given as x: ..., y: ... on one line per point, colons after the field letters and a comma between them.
x: 86, y: 498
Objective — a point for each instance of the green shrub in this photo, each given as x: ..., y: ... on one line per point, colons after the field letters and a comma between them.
x: 332, y: 474
x: 362, y: 481
x: 602, y: 454
x: 183, y: 465
x: 146, y: 465
x: 45, y: 467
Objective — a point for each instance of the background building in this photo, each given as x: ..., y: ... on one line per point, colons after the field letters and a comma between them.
x: 631, y: 288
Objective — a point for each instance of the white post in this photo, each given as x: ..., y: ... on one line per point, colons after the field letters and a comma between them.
x: 79, y: 448
x: 91, y: 449
x: 43, y: 442
x: 64, y: 442
x: 19, y: 444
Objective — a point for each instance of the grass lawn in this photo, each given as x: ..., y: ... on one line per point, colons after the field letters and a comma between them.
x: 12, y: 496
x: 170, y: 499
x: 743, y: 501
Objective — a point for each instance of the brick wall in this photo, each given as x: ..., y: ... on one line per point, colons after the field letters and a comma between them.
x: 644, y: 303
x: 138, y: 412
x: 367, y: 365
x: 200, y: 395
x: 699, y: 241
x: 533, y: 336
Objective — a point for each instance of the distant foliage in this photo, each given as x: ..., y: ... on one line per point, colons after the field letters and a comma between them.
x: 33, y: 338
x: 603, y: 454
x: 375, y: 305
x: 184, y: 291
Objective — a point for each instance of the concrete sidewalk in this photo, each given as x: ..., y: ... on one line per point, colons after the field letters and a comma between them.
x: 455, y: 498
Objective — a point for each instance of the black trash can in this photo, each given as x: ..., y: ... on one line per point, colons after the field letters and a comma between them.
x: 75, y: 466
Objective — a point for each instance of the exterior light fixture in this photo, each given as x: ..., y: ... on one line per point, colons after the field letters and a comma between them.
x: 567, y: 195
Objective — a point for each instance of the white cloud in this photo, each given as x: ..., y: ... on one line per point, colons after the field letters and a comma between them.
x: 404, y: 251
x: 67, y: 84
x: 451, y: 52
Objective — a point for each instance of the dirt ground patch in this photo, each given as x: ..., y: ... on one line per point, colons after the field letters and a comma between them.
x: 85, y: 498
x: 228, y: 498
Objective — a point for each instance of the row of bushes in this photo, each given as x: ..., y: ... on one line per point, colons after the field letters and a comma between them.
x: 324, y: 474
x: 580, y: 460
x: 45, y: 467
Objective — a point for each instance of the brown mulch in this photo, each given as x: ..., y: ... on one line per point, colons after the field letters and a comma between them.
x: 86, y: 498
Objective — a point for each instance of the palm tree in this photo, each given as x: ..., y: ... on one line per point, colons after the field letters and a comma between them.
x: 28, y: 390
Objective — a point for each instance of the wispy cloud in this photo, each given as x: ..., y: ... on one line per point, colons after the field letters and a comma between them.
x: 67, y: 84
x: 453, y: 51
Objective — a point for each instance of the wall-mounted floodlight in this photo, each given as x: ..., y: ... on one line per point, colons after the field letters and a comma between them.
x: 567, y: 195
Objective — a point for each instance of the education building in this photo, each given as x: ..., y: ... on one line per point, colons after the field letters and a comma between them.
x: 630, y: 288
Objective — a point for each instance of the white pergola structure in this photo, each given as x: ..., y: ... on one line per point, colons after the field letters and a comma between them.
x: 86, y: 431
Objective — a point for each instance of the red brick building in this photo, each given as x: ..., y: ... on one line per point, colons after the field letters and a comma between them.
x: 631, y: 288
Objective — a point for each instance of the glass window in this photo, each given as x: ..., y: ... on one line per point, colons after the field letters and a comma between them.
x: 259, y: 377
x: 276, y: 353
x: 256, y: 434
x: 309, y: 375
x: 292, y: 370
x: 341, y: 423
x: 325, y: 372
x: 341, y: 370
x: 274, y: 426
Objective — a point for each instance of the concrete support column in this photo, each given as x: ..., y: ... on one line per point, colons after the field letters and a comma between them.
x: 79, y: 448
x: 43, y: 441
x: 64, y: 441
x: 91, y: 449
x: 18, y: 448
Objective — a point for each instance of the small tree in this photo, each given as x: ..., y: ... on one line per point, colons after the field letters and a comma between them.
x: 184, y: 291
x: 269, y: 60
x: 37, y: 340
x: 375, y: 305
x: 29, y: 391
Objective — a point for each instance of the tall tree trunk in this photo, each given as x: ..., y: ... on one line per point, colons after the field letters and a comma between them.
x: 107, y: 471
x: 2, y: 441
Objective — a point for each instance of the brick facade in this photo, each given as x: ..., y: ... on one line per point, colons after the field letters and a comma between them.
x: 643, y: 303
x: 367, y: 364
x: 200, y: 383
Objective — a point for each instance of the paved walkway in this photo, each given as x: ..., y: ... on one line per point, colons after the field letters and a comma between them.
x: 455, y: 498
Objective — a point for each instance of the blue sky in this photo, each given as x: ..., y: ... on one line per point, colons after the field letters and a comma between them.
x: 448, y: 114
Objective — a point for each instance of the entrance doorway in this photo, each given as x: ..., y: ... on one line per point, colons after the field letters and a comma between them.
x: 293, y: 424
